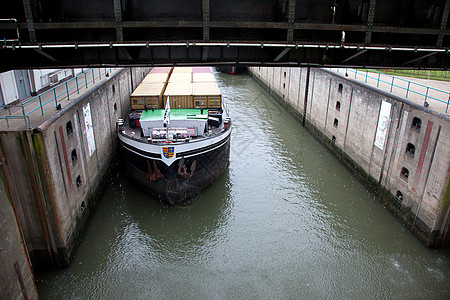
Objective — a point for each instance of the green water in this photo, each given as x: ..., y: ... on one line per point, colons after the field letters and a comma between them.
x: 285, y: 221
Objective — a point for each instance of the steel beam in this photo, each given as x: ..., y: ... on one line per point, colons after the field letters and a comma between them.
x: 206, y: 17
x: 283, y: 53
x: 227, y: 24
x: 46, y: 55
x: 370, y: 17
x: 214, y: 53
x: 353, y: 56
x: 443, y: 23
x: 291, y: 20
x: 419, y: 58
x: 29, y: 18
x: 118, y: 20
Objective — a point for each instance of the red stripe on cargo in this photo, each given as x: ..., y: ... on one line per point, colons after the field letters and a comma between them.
x: 423, y: 152
x: 160, y: 70
x: 66, y: 160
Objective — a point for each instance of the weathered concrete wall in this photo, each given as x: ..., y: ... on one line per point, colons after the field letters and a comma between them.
x: 16, y: 277
x: 56, y: 170
x: 372, y: 132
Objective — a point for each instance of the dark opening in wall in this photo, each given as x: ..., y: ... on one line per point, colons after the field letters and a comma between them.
x: 113, y: 89
x: 69, y: 128
x: 410, y: 149
x: 404, y: 174
x: 115, y: 106
x: 284, y: 85
x: 82, y: 206
x: 78, y: 181
x: 74, y: 157
x: 333, y: 139
x: 338, y: 106
x: 416, y: 124
x: 399, y: 196
x: 335, y: 123
x: 284, y: 74
x: 340, y: 88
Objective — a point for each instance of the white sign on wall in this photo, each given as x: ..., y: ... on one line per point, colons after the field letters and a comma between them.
x: 383, y: 123
x: 89, y: 128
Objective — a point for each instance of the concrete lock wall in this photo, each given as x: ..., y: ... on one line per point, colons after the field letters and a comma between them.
x: 373, y: 132
x: 16, y: 279
x: 55, y: 172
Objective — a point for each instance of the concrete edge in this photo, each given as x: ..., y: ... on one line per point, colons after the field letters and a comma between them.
x: 389, y: 95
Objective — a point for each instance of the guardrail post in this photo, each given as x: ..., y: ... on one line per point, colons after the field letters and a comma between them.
x: 448, y: 102
x: 25, y: 117
x: 40, y: 104
x: 54, y: 93
x: 378, y: 83
x: 93, y: 77
x: 392, y: 83
x: 426, y: 95
x: 407, y: 91
x: 99, y: 74
x: 67, y: 92
x: 85, y: 79
x: 356, y: 72
x: 76, y: 80
x: 367, y: 72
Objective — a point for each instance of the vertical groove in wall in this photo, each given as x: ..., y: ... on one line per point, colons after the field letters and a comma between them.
x: 299, y: 90
x: 429, y: 169
x: 395, y: 151
x: 328, y: 107
x: 61, y: 165
x: 386, y: 149
x: 373, y: 144
x: 348, y: 121
x: 305, y: 105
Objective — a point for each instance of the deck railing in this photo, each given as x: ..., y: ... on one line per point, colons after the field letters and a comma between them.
x: 409, y: 87
x: 54, y: 95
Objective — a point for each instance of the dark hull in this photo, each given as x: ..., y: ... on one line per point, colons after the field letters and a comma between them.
x: 231, y: 70
x: 173, y: 188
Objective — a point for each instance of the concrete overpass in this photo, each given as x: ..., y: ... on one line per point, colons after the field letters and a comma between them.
x: 365, y: 33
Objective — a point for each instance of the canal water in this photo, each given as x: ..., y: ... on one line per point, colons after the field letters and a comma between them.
x: 285, y: 221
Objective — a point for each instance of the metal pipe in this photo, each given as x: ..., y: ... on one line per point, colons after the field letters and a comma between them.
x: 237, y: 44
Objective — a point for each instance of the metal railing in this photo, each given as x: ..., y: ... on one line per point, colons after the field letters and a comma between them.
x: 409, y: 87
x: 54, y: 95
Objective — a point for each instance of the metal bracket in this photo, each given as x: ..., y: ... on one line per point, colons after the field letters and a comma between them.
x: 118, y: 20
x: 30, y: 23
x: 443, y: 24
x: 370, y: 17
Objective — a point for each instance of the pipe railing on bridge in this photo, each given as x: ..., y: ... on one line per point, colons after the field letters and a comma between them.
x: 56, y: 94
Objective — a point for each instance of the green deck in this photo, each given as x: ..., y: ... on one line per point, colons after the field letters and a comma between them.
x: 175, y: 114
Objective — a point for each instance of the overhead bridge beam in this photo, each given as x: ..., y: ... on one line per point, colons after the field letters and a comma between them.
x: 203, y: 53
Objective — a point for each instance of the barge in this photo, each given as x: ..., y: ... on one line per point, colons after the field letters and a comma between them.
x: 176, y: 140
